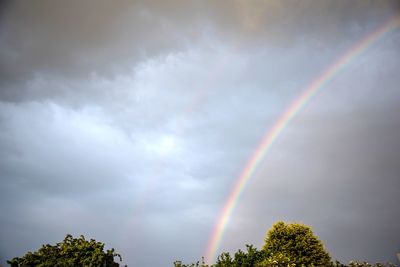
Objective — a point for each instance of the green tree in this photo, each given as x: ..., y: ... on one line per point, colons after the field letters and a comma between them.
x: 197, y: 264
x: 286, y: 245
x: 277, y: 260
x: 71, y: 252
x: 249, y: 257
x: 224, y: 260
x: 365, y: 264
x: 296, y: 242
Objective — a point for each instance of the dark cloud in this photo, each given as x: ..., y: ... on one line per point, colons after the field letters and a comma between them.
x: 75, y: 39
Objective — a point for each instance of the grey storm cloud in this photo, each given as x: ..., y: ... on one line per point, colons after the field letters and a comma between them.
x: 130, y: 121
x: 78, y: 38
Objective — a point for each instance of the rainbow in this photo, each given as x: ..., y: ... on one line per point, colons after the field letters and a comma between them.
x: 272, y: 134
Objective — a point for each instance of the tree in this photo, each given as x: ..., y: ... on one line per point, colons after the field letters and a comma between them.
x: 286, y: 245
x: 198, y: 264
x: 71, y: 252
x: 276, y: 260
x: 363, y: 264
x: 296, y: 242
x: 249, y: 257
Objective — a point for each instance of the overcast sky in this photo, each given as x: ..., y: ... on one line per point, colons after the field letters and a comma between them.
x: 130, y: 121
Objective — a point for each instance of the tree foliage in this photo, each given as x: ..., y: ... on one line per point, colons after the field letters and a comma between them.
x: 197, y: 264
x: 71, y: 252
x: 298, y: 243
x: 286, y: 245
x: 276, y: 260
x: 366, y: 264
x: 247, y: 258
x: 241, y: 258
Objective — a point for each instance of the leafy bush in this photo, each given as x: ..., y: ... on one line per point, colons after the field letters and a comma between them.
x: 70, y: 252
x: 286, y: 245
x: 298, y: 243
x: 366, y: 264
x: 197, y: 264
x: 241, y: 258
x: 276, y: 260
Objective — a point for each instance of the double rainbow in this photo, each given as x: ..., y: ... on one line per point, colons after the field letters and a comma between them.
x: 293, y: 109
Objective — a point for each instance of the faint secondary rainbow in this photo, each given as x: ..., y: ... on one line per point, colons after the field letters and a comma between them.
x: 307, y: 93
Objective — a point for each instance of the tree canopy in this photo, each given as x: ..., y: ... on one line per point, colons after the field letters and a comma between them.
x: 286, y: 245
x: 298, y: 243
x: 70, y: 252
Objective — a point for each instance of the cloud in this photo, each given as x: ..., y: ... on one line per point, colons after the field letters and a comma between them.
x: 75, y: 39
x: 130, y: 122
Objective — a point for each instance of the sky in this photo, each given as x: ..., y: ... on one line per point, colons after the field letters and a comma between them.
x: 130, y: 122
